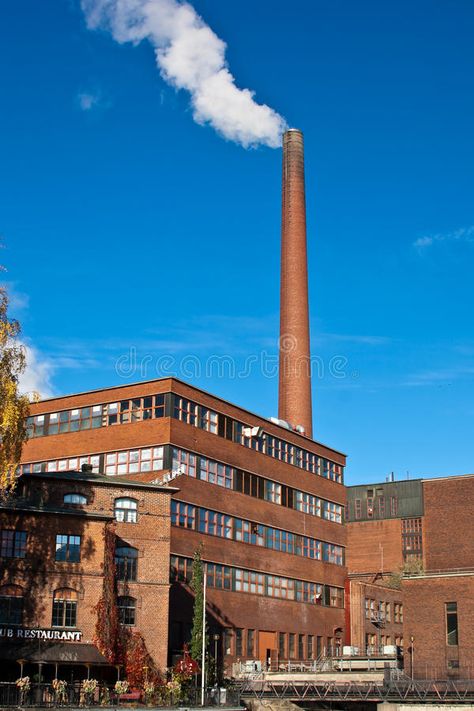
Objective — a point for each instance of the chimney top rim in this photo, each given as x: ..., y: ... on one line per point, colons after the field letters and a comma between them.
x: 293, y: 130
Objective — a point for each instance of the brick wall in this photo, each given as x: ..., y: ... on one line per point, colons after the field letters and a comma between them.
x: 448, y: 536
x: 425, y: 621
x: 364, y: 542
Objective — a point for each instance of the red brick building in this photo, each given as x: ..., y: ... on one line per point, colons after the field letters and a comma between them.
x: 52, y: 567
x: 422, y: 529
x: 265, y: 502
x: 375, y: 616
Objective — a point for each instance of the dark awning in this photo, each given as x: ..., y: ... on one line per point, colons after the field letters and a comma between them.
x: 52, y: 653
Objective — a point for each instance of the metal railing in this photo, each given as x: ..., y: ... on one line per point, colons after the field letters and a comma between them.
x: 43, y: 695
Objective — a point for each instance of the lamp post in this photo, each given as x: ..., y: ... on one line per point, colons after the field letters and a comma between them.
x: 412, y: 641
x: 203, y: 661
x: 216, y: 640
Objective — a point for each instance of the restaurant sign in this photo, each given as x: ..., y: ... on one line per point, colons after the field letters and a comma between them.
x: 12, y: 633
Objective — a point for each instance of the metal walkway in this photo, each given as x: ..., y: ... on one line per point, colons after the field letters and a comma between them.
x: 435, y: 692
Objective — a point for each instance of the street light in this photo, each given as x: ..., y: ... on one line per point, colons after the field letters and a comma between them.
x: 412, y: 641
x: 216, y: 639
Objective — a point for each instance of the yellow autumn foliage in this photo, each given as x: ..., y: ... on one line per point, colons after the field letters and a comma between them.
x: 14, y: 407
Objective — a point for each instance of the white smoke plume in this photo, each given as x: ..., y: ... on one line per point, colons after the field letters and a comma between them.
x: 190, y: 56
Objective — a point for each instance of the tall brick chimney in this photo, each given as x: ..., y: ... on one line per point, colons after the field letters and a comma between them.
x: 294, y: 397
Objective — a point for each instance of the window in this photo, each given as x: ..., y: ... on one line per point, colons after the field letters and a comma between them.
x: 78, y: 499
x: 357, y: 509
x: 412, y: 538
x: 370, y: 507
x: 126, y: 609
x: 250, y: 643
x: 35, y: 426
x: 13, y: 544
x: 307, y: 503
x: 273, y: 492
x: 393, y: 506
x: 183, y: 515
x: 185, y: 410
x: 333, y: 554
x: 64, y: 608
x: 215, y: 524
x: 215, y: 472
x: 11, y: 605
x: 319, y: 646
x: 183, y: 462
x: 238, y: 642
x: 369, y: 608
x: 452, y: 624
x: 336, y: 597
x: 291, y: 645
x: 126, y: 510
x: 227, y: 641
x: 281, y: 645
x: 332, y: 512
x: 208, y: 420
x: 309, y: 646
x: 300, y: 646
x: 219, y: 576
x: 72, y: 464
x: 68, y: 548
x: 248, y: 581
x: 134, y: 461
x: 126, y: 559
x: 85, y: 418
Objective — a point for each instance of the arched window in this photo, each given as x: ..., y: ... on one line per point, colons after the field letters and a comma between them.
x: 126, y: 510
x: 126, y: 609
x: 64, y: 608
x: 11, y: 605
x: 126, y: 563
x: 78, y: 499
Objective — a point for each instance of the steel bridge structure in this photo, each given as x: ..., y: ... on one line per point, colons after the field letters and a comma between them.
x: 395, y: 691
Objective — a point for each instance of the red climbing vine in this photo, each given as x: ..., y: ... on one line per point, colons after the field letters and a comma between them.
x: 107, y: 631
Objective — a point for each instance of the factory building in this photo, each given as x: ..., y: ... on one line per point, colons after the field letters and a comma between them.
x: 263, y: 499
x: 265, y: 502
x: 410, y: 548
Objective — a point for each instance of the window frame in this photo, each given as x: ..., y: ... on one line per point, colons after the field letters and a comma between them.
x: 126, y: 511
x: 71, y: 545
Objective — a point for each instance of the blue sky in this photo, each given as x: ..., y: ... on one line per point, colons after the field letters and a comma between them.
x: 129, y: 228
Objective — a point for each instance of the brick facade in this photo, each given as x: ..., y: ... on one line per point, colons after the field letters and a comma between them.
x: 39, y: 510
x: 425, y: 621
x: 373, y: 544
x: 448, y: 523
x: 235, y: 612
x: 376, y: 616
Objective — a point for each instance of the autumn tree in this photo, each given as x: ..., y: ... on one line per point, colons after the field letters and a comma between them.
x: 14, y: 407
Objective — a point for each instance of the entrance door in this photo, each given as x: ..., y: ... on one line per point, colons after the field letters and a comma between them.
x: 266, y: 646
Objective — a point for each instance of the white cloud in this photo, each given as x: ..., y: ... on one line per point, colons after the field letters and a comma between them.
x: 464, y: 234
x: 190, y: 56
x: 92, y: 101
x: 38, y: 374
x: 87, y: 101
